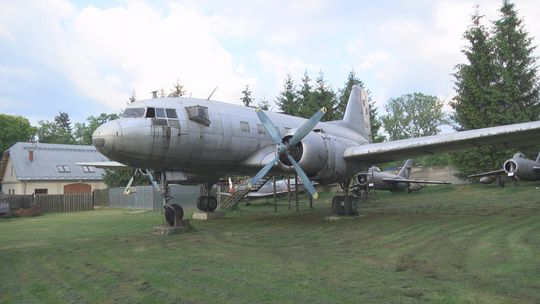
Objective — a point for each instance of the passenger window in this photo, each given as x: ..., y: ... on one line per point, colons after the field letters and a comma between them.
x: 198, y: 114
x: 160, y: 113
x: 150, y: 113
x: 159, y: 122
x: 171, y: 113
x: 244, y: 126
x: 173, y: 123
x: 261, y: 129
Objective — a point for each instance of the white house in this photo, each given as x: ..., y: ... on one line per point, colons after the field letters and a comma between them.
x: 28, y: 168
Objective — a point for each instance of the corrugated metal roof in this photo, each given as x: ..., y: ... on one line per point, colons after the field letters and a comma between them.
x: 48, y: 156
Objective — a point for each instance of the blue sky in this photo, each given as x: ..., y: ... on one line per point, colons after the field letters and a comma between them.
x: 85, y: 57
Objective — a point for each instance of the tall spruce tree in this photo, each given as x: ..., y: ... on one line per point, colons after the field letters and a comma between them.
x: 287, y: 99
x: 517, y: 81
x: 304, y: 96
x: 497, y: 86
x: 322, y: 96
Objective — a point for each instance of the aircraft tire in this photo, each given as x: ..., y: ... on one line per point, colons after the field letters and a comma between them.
x: 212, y: 203
x: 351, y: 206
x: 202, y: 203
x: 173, y: 211
x: 337, y: 207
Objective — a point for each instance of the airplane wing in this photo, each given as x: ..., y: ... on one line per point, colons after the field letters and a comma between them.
x: 489, y: 173
x: 536, y: 168
x: 414, y: 181
x: 516, y: 135
x: 104, y: 165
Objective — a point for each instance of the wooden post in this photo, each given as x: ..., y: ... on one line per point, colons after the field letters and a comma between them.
x: 296, y: 192
x: 275, y: 195
x: 289, y: 190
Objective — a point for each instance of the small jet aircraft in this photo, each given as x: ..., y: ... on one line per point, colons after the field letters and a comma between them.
x: 194, y: 141
x: 267, y: 190
x: 378, y: 180
x: 518, y: 167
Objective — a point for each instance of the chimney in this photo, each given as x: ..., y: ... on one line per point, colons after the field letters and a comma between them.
x: 30, y: 155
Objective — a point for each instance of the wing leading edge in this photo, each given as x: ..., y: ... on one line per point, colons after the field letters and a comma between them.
x: 515, y: 135
x: 414, y: 181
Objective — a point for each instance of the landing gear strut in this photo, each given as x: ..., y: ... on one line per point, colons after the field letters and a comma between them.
x: 206, y: 202
x: 345, y: 205
x: 173, y: 213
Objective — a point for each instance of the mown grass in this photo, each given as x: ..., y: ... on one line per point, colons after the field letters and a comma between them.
x: 462, y: 244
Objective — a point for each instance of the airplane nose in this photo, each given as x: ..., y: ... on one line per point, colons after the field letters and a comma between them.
x: 104, y: 135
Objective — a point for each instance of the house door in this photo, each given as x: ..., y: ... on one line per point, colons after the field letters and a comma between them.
x: 77, y: 188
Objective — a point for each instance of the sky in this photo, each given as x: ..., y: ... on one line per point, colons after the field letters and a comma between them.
x: 85, y: 57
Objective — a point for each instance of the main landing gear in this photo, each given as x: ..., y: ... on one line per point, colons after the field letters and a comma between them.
x: 206, y: 202
x: 173, y: 213
x: 346, y: 205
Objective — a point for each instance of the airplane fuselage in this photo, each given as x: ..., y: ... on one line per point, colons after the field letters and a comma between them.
x: 199, y: 140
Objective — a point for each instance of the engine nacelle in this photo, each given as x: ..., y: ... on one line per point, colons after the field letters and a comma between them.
x: 362, y: 179
x: 311, y: 153
x: 521, y: 168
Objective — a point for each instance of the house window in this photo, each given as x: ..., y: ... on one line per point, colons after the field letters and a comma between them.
x: 63, y: 168
x: 261, y: 129
x: 244, y: 126
x: 88, y: 169
x: 41, y: 191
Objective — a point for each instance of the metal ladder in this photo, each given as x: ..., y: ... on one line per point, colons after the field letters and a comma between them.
x: 242, y: 191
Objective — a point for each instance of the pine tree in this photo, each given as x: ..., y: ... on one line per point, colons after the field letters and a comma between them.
x: 322, y: 96
x: 246, y: 98
x: 178, y: 89
x: 304, y: 97
x: 287, y: 99
x: 498, y: 85
x: 517, y: 85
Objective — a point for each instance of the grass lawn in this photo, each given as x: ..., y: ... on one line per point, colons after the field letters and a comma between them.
x: 461, y: 244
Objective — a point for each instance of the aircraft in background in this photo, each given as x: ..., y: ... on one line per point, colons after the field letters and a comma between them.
x: 193, y: 141
x: 267, y: 190
x: 377, y: 180
x: 518, y: 167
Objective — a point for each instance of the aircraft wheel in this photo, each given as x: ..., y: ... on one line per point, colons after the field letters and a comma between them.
x: 212, y: 203
x: 202, y: 203
x: 337, y: 205
x: 173, y: 214
x: 351, y: 206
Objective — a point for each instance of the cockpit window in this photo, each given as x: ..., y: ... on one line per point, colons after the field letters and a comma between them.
x: 150, y: 112
x: 171, y: 113
x: 133, y: 112
x: 160, y: 113
x: 198, y: 114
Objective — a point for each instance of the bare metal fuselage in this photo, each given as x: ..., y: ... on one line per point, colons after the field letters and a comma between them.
x: 234, y: 142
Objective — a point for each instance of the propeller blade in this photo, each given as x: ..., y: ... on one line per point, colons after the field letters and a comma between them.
x: 262, y: 173
x: 305, y: 180
x: 269, y: 125
x: 307, y: 127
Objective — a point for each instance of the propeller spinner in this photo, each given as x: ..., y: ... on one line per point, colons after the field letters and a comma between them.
x: 284, y: 148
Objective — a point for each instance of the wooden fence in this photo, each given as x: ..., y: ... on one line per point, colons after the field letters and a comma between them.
x: 17, y: 201
x: 64, y: 202
x: 101, y: 197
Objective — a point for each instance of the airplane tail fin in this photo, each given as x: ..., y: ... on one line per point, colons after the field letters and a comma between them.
x: 405, y: 171
x: 357, y: 112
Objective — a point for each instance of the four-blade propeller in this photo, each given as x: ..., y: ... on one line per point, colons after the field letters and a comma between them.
x: 284, y: 148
